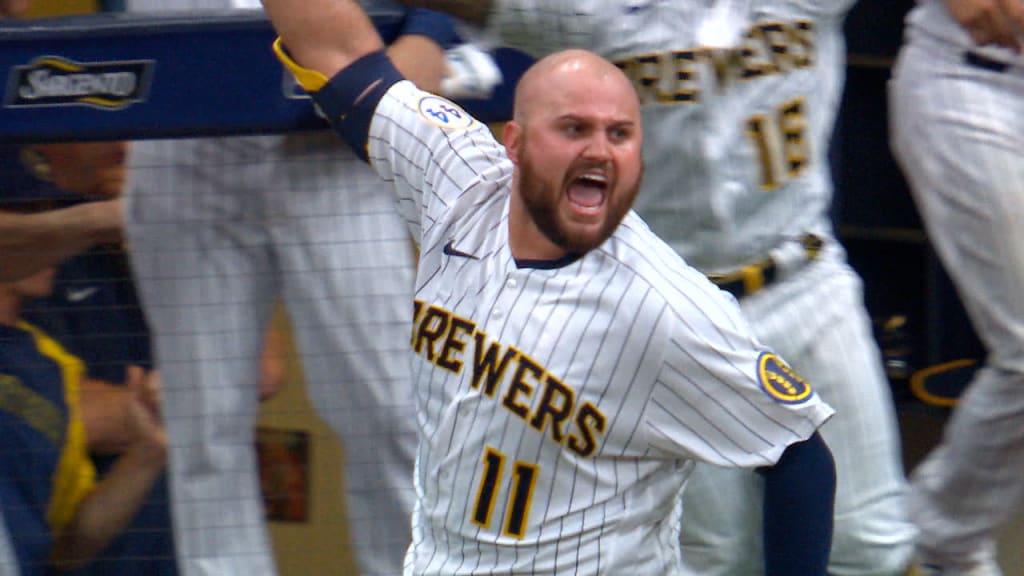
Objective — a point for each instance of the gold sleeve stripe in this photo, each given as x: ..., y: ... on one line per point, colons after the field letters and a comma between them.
x: 310, y: 80
x: 76, y: 475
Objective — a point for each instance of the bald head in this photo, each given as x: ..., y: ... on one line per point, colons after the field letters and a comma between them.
x: 565, y: 78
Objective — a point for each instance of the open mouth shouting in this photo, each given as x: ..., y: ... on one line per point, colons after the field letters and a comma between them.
x: 587, y: 192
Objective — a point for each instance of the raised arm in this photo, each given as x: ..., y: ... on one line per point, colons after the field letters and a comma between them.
x: 323, y: 35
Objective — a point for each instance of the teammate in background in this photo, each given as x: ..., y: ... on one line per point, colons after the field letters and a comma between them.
x: 94, y: 313
x: 957, y: 130
x: 221, y: 227
x: 570, y: 366
x: 738, y: 100
x: 95, y: 323
x: 57, y: 512
x: 16, y: 261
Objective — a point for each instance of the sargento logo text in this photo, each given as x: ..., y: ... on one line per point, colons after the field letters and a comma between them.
x: 56, y: 81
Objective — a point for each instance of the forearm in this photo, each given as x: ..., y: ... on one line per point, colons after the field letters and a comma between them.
x: 110, y: 507
x: 473, y: 11
x: 798, y: 510
x: 104, y: 408
x: 419, y: 59
x: 323, y: 35
x: 31, y: 242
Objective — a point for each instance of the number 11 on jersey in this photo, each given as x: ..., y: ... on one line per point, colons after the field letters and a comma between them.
x: 524, y: 478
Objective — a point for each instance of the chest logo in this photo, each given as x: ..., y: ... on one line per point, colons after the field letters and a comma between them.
x: 451, y: 250
x: 80, y: 294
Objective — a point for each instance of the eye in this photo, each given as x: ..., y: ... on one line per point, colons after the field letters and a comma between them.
x: 572, y: 129
x: 619, y: 133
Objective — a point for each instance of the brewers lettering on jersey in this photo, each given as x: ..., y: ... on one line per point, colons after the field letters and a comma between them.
x: 738, y: 102
x: 570, y: 368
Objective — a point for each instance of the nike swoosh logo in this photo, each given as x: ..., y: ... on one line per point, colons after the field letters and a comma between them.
x: 450, y: 250
x: 80, y: 294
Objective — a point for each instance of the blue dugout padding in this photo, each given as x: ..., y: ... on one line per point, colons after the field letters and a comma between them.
x: 128, y: 76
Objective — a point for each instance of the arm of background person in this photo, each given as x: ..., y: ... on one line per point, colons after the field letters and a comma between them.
x: 31, y: 242
x: 472, y: 11
x: 109, y: 508
x: 105, y: 406
x: 999, y: 22
x: 273, y: 363
x: 799, y: 496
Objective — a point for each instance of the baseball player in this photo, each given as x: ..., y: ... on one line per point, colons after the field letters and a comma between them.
x: 957, y: 127
x: 219, y: 228
x: 570, y: 367
x: 738, y: 100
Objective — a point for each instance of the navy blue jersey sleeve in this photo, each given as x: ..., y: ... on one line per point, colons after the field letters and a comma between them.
x: 349, y: 99
x: 798, y: 506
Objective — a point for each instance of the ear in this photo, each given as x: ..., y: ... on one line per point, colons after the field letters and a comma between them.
x: 510, y: 136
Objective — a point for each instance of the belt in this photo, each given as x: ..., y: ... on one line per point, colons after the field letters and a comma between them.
x: 984, y: 62
x: 756, y: 275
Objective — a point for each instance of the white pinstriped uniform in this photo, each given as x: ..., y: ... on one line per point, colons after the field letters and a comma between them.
x: 958, y: 132
x: 561, y: 405
x: 736, y: 149
x: 218, y: 228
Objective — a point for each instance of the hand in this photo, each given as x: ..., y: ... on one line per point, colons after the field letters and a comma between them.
x: 472, y: 73
x: 144, y: 409
x: 998, y: 22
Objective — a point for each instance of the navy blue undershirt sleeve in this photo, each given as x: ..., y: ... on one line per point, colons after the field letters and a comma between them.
x: 798, y: 507
x: 349, y: 99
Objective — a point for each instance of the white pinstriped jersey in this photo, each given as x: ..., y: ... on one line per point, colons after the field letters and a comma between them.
x: 729, y: 176
x: 561, y: 404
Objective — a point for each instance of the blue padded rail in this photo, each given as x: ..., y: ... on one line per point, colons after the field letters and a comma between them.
x: 128, y: 76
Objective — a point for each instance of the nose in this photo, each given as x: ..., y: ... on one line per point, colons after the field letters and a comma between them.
x: 598, y: 147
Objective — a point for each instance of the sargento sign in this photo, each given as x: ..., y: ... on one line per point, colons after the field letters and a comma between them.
x: 56, y: 81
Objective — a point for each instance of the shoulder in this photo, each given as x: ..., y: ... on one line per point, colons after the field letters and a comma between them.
x: 656, y: 264
x: 429, y: 131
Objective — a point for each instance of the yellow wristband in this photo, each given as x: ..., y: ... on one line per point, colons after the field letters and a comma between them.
x: 310, y: 80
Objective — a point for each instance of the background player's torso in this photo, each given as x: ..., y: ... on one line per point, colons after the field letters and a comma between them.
x: 736, y: 139
x: 34, y: 418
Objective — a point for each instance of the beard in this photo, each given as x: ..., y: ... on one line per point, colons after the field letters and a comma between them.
x: 542, y: 202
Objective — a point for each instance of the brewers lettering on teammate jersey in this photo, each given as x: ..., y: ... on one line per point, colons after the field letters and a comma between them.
x: 562, y: 403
